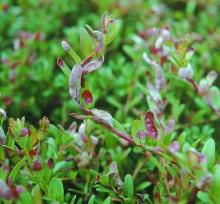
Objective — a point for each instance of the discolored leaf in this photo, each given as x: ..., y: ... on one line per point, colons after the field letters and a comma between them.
x: 149, y: 124
x: 103, y: 116
x: 75, y: 82
x: 93, y: 65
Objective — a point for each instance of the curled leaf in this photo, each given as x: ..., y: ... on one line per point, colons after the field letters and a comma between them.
x: 93, y: 65
x: 103, y: 116
x: 75, y: 82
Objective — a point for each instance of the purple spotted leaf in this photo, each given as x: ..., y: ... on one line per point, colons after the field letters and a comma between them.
x: 75, y: 82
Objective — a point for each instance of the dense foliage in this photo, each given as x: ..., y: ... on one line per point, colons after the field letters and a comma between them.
x: 128, y: 104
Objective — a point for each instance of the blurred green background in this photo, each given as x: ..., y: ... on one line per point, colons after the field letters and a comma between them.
x: 31, y: 32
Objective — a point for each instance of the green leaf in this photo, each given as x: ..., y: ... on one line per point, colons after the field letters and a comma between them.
x: 143, y: 186
x: 204, y: 197
x: 104, y: 189
x: 128, y: 186
x: 182, y: 139
x: 56, y: 190
x: 75, y: 56
x: 37, y: 195
x: 85, y: 41
x: 136, y: 126
x: 25, y: 198
x: 107, y: 200
x: 93, y: 172
x: 112, y: 31
x: 65, y: 69
x: 91, y: 200
x: 215, y: 96
x: 104, y: 180
x: 209, y: 151
x: 73, y: 200
x: 216, y: 184
x: 16, y: 169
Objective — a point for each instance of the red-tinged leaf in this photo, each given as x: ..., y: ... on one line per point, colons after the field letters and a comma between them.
x: 87, y: 96
x: 59, y: 62
x: 103, y: 117
x: 99, y: 38
x: 93, y: 65
x: 75, y: 82
x: 149, y: 124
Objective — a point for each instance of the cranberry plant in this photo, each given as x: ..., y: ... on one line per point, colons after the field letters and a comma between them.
x: 153, y: 158
x: 153, y: 135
